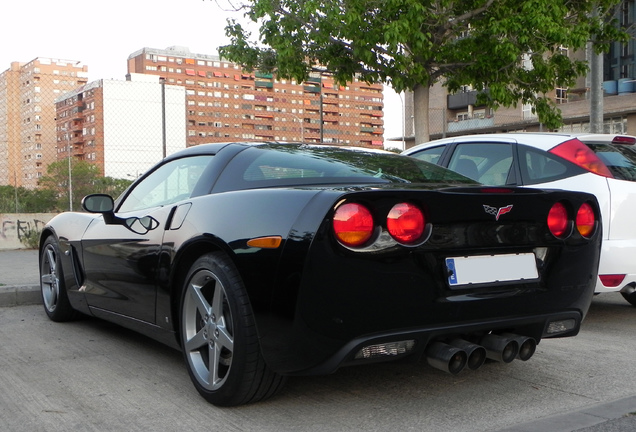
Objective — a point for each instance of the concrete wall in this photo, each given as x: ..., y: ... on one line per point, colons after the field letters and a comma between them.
x: 15, y: 226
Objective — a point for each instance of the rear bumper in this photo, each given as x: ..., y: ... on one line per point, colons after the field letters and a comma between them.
x: 391, y: 300
x: 532, y: 326
x: 617, y: 257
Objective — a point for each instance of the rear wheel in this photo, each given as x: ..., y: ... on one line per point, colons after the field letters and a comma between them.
x: 54, y: 296
x: 218, y: 335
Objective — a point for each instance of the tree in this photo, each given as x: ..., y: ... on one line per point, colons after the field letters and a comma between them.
x: 22, y: 200
x: 511, y: 48
x: 85, y: 179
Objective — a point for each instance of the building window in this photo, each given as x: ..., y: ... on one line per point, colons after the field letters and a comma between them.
x: 561, y: 95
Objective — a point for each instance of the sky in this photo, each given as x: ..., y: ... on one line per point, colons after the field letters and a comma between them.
x: 103, y: 34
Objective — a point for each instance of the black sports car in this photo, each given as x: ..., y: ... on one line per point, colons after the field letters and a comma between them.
x: 265, y: 260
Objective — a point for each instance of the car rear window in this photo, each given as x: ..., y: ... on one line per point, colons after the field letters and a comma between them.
x: 620, y: 159
x: 290, y: 165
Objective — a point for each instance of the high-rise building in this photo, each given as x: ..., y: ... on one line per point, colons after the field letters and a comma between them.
x: 27, y: 116
x: 225, y: 103
x: 122, y: 126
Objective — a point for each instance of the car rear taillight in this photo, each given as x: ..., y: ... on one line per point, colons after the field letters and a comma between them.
x: 612, y: 280
x: 353, y: 224
x: 405, y: 223
x: 558, y: 222
x: 623, y: 139
x: 578, y: 153
x: 585, y: 220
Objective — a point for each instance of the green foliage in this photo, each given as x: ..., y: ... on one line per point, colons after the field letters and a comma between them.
x: 511, y: 47
x: 23, y: 200
x: 52, y: 195
x: 85, y: 179
x: 31, y: 238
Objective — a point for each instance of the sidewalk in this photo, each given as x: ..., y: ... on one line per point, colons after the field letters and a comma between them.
x: 19, y: 277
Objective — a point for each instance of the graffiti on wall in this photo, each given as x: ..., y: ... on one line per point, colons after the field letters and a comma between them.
x: 15, y: 228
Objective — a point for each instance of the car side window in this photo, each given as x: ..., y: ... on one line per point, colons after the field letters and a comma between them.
x: 431, y: 155
x: 168, y: 184
x: 538, y: 166
x: 487, y: 163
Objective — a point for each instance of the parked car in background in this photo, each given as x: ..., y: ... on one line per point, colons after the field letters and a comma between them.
x: 602, y: 164
x: 265, y: 260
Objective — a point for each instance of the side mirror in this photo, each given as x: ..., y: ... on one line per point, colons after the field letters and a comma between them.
x: 104, y: 204
x: 98, y: 203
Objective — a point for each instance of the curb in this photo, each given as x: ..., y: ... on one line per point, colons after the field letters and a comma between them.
x: 598, y: 417
x: 20, y: 295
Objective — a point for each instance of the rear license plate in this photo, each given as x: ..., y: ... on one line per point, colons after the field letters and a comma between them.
x: 491, y: 268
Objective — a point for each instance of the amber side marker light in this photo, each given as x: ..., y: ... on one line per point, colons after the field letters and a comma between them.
x: 270, y: 242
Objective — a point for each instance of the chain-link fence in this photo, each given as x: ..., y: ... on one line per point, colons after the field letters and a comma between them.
x: 62, y: 137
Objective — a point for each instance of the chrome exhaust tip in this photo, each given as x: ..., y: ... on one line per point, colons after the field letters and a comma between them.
x: 500, y: 348
x: 446, y: 357
x: 476, y: 354
x: 527, y: 345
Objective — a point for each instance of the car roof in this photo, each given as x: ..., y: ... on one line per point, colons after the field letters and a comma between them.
x: 204, y: 149
x: 214, y: 148
x: 541, y: 140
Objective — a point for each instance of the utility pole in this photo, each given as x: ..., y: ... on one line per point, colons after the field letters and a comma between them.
x: 15, y: 189
x: 70, y: 177
x: 596, y: 85
x: 163, y: 119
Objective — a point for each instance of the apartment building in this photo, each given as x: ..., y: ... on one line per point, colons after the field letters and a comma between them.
x: 122, y: 126
x: 27, y: 116
x: 225, y: 103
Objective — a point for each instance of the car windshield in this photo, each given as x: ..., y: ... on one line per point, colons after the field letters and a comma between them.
x: 290, y: 164
x: 620, y: 159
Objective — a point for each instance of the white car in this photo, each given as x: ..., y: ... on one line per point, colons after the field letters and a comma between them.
x: 602, y: 164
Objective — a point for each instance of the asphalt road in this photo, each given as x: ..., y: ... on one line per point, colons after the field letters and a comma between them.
x: 93, y: 376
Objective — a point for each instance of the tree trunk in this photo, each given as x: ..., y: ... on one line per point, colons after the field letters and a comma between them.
x: 420, y: 113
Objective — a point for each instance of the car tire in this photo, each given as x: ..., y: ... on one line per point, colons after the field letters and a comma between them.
x: 52, y: 287
x: 219, y: 339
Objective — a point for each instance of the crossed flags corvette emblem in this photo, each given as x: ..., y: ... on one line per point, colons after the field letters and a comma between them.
x: 496, y: 212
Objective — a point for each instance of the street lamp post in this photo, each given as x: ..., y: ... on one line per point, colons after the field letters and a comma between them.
x: 70, y: 176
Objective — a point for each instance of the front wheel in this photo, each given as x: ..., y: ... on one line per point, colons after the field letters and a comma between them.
x: 54, y: 296
x: 219, y: 339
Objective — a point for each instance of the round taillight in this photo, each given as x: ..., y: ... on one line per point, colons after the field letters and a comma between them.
x: 585, y: 220
x: 405, y: 223
x: 353, y: 224
x: 558, y: 220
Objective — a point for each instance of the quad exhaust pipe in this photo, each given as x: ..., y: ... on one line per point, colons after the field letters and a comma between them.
x: 454, y: 355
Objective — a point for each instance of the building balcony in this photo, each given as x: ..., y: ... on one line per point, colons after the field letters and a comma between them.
x: 469, y: 124
x: 461, y: 100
